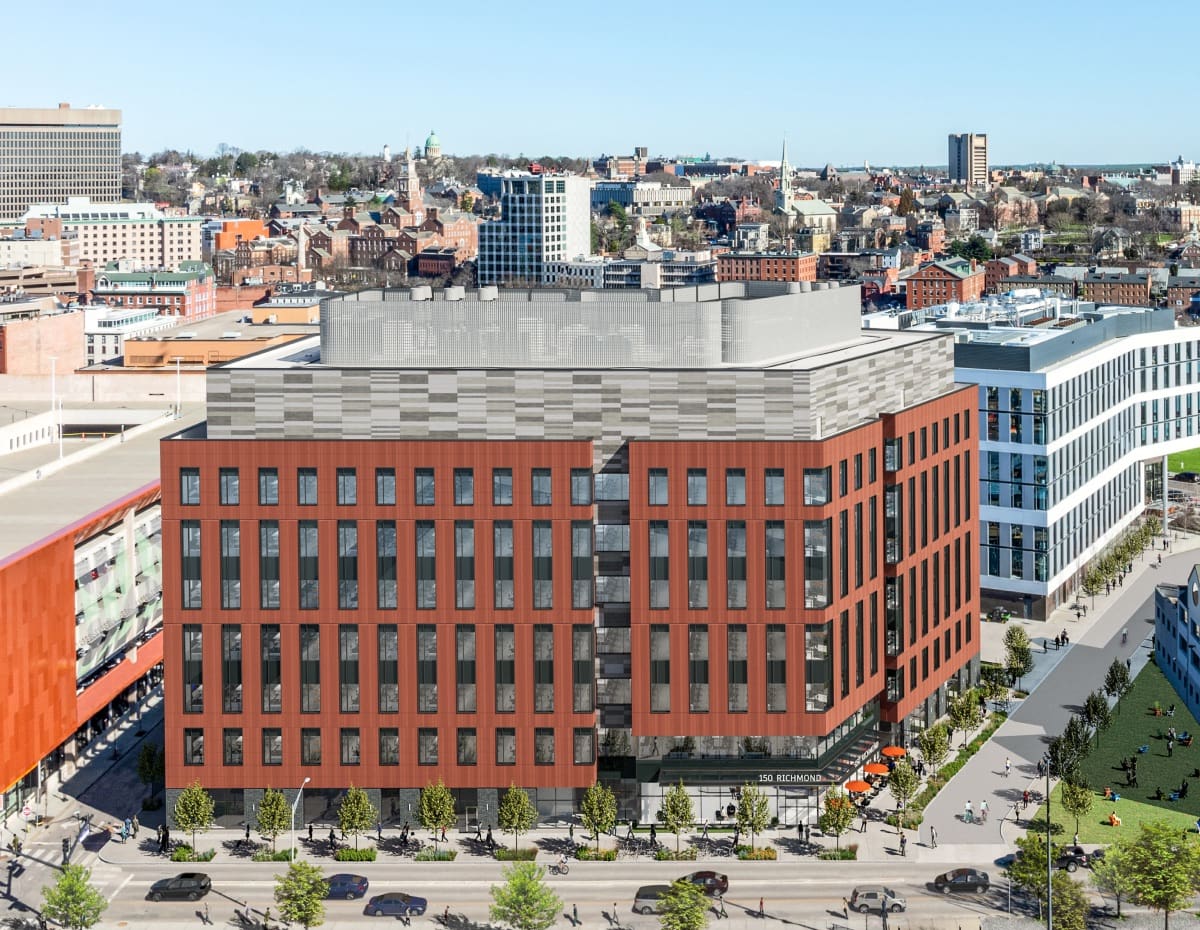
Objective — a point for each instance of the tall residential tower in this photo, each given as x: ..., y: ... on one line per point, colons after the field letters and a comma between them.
x: 968, y: 161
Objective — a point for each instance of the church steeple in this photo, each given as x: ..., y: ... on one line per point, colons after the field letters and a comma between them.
x: 783, y: 196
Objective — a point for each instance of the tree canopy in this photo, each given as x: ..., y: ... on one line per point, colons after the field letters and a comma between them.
x: 72, y: 901
x: 274, y: 815
x: 684, y: 907
x: 598, y: 811
x: 524, y: 901
x: 753, y: 811
x: 300, y: 894
x: 194, y: 810
x: 516, y: 814
x: 357, y: 815
x: 678, y: 812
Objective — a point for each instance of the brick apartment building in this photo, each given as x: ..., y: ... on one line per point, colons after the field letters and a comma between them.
x: 767, y: 266
x: 941, y: 282
x: 189, y: 293
x: 582, y: 548
x: 1110, y: 287
x: 997, y: 269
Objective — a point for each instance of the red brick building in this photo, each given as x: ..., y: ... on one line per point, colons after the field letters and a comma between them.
x: 941, y: 282
x: 767, y: 266
x: 996, y: 269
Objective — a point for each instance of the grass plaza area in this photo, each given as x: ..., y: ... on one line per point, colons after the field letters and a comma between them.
x: 1135, y: 725
x: 1184, y: 461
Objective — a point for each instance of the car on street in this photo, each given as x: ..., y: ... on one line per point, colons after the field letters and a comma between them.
x: 1189, y: 476
x: 647, y: 898
x: 962, y: 880
x: 396, y: 904
x: 186, y: 886
x: 1072, y: 858
x: 867, y: 898
x: 713, y: 883
x: 347, y: 886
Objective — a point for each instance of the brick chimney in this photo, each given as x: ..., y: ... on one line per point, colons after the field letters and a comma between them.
x: 974, y: 265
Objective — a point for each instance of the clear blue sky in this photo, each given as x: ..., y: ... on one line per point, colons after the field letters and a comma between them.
x: 844, y: 82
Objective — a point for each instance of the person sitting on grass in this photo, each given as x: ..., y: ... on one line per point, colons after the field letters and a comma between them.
x: 1114, y: 820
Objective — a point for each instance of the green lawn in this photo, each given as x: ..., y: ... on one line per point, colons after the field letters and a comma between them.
x: 1184, y: 461
x: 1133, y: 726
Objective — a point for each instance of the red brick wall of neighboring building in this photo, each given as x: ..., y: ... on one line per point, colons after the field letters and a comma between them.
x: 26, y: 345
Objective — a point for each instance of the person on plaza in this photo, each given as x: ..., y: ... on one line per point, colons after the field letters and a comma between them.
x: 310, y: 826
x: 903, y: 845
x: 653, y: 835
x: 1124, y: 636
x: 1025, y: 799
x: 575, y: 914
x: 1007, y: 766
x: 845, y: 908
x: 443, y: 834
x: 205, y: 917
x: 968, y: 813
x: 761, y: 910
x: 332, y: 839
x: 1075, y: 840
x: 571, y: 832
x: 136, y: 826
x: 722, y: 912
x: 704, y: 828
x: 478, y: 832
x: 247, y: 831
x: 166, y: 838
x: 446, y: 916
x: 807, y: 834
x: 933, y: 836
x: 490, y: 842
x: 379, y: 830
x: 983, y: 811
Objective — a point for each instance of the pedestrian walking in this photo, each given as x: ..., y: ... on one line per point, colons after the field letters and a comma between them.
x: 205, y: 915
x: 968, y: 813
x: 761, y: 910
x: 807, y: 834
x: 615, y: 919
x: 571, y: 832
x: 247, y: 831
x: 332, y: 839
x: 575, y: 914
x: 158, y: 836
x: 446, y: 916
x: 722, y: 912
x: 490, y: 842
x: 862, y: 816
x: 1007, y: 766
x: 933, y: 837
x: 379, y: 831
x: 704, y: 828
x: 1075, y: 841
x: 166, y: 838
x: 136, y: 826
x: 845, y: 909
x: 1025, y: 799
x: 267, y: 918
x: 903, y: 845
x: 1129, y: 665
x: 653, y: 834
x: 478, y: 832
x: 1170, y: 747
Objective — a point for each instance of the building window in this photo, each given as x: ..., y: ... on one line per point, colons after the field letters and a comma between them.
x: 310, y: 746
x: 308, y: 565
x: 543, y: 668
x: 502, y: 564
x: 348, y: 668
x: 389, y: 746
x: 735, y: 487
x: 351, y: 746
x: 389, y: 669
x: 698, y: 669
x: 193, y: 747
x: 581, y: 487
x: 697, y: 564
x: 229, y: 490
x: 427, y: 697
x: 543, y: 746
x: 189, y: 536
x: 385, y: 487
x: 816, y: 486
x: 385, y: 564
x: 502, y: 487
x: 506, y: 746
x: 268, y: 564
x: 658, y: 487
x: 818, y: 667
x: 585, y: 746
x: 858, y: 471
x: 310, y: 668
x: 697, y: 487
x: 233, y: 746
x: 505, y: 669
x: 270, y: 670
x: 426, y: 568
x: 464, y: 669
x: 347, y: 564
x: 231, y: 669
x: 735, y: 564
x: 737, y: 668
x: 543, y: 565
x: 347, y: 487
x: 189, y: 487
x: 776, y: 668
x: 464, y: 487
x: 464, y: 564
x: 306, y: 487
x: 193, y: 669
x: 272, y: 746
x: 817, y: 571
x: 660, y: 566
x: 776, y: 564
x: 231, y: 565
x: 427, y: 746
x: 844, y: 652
x: 423, y: 487
x: 660, y: 669
x: 583, y: 668
x: 773, y: 478
x: 468, y: 749
x: 581, y: 564
x: 541, y: 487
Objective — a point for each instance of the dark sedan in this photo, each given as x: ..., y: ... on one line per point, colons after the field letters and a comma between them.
x: 713, y: 883
x: 962, y: 880
x: 187, y: 886
x: 344, y: 885
x: 396, y: 904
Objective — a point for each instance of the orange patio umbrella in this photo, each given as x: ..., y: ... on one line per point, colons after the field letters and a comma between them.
x: 875, y: 768
x: 894, y: 752
x: 857, y: 787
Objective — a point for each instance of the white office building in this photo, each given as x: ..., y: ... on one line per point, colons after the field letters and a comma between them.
x: 1077, y: 403
x: 545, y: 218
x: 106, y: 328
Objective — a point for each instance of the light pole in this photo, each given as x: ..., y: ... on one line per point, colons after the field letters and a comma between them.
x: 179, y: 395
x: 55, y: 414
x: 295, y: 804
x: 1049, y: 855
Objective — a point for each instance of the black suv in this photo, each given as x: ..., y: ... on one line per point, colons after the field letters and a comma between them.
x: 187, y: 886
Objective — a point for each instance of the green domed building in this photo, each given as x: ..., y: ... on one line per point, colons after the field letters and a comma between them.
x: 433, y: 148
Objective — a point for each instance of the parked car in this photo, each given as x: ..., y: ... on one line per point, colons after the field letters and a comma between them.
x: 867, y: 898
x: 396, y: 904
x: 647, y: 898
x: 345, y: 885
x: 713, y: 883
x: 186, y: 886
x: 1072, y: 858
x: 962, y: 880
x: 1188, y: 476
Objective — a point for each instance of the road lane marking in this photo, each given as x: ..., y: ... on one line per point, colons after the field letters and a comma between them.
x: 128, y: 879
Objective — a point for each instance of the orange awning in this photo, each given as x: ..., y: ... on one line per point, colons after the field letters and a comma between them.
x: 857, y: 787
x: 875, y: 768
x: 894, y: 752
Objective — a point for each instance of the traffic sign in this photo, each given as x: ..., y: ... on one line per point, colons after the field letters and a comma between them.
x: 27, y: 811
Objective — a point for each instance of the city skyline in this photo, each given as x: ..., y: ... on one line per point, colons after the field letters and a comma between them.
x: 187, y: 105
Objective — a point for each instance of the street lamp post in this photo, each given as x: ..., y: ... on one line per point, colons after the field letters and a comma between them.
x: 295, y: 804
x: 55, y: 413
x: 1049, y: 855
x: 179, y: 392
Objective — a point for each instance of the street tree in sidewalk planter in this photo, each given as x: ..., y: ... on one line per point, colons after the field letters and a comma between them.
x: 1077, y: 798
x: 678, y: 813
x: 357, y: 815
x: 436, y: 809
x: 1097, y: 714
x: 151, y: 765
x: 683, y: 907
x: 1028, y: 870
x: 300, y: 894
x: 1117, y: 682
x: 964, y: 714
x: 995, y: 688
x: 525, y: 901
x: 194, y: 810
x: 935, y: 745
x: 598, y: 811
x: 1110, y: 874
x: 753, y: 811
x: 1018, y: 653
x: 1163, y: 868
x: 517, y: 814
x: 274, y: 815
x: 837, y: 816
x: 1070, y: 903
x: 72, y: 901
x: 903, y: 783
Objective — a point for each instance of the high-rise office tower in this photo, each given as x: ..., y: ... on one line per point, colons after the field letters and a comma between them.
x: 546, y: 218
x: 969, y: 158
x: 49, y: 155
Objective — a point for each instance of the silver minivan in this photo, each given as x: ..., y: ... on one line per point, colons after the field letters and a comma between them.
x: 648, y: 897
x: 866, y: 898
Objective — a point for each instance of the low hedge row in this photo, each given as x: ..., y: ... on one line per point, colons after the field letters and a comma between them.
x: 843, y: 854
x: 265, y: 855
x: 436, y: 855
x: 766, y: 853
x: 505, y: 854
x: 184, y: 853
x: 346, y: 854
x: 670, y: 855
x: 588, y: 854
